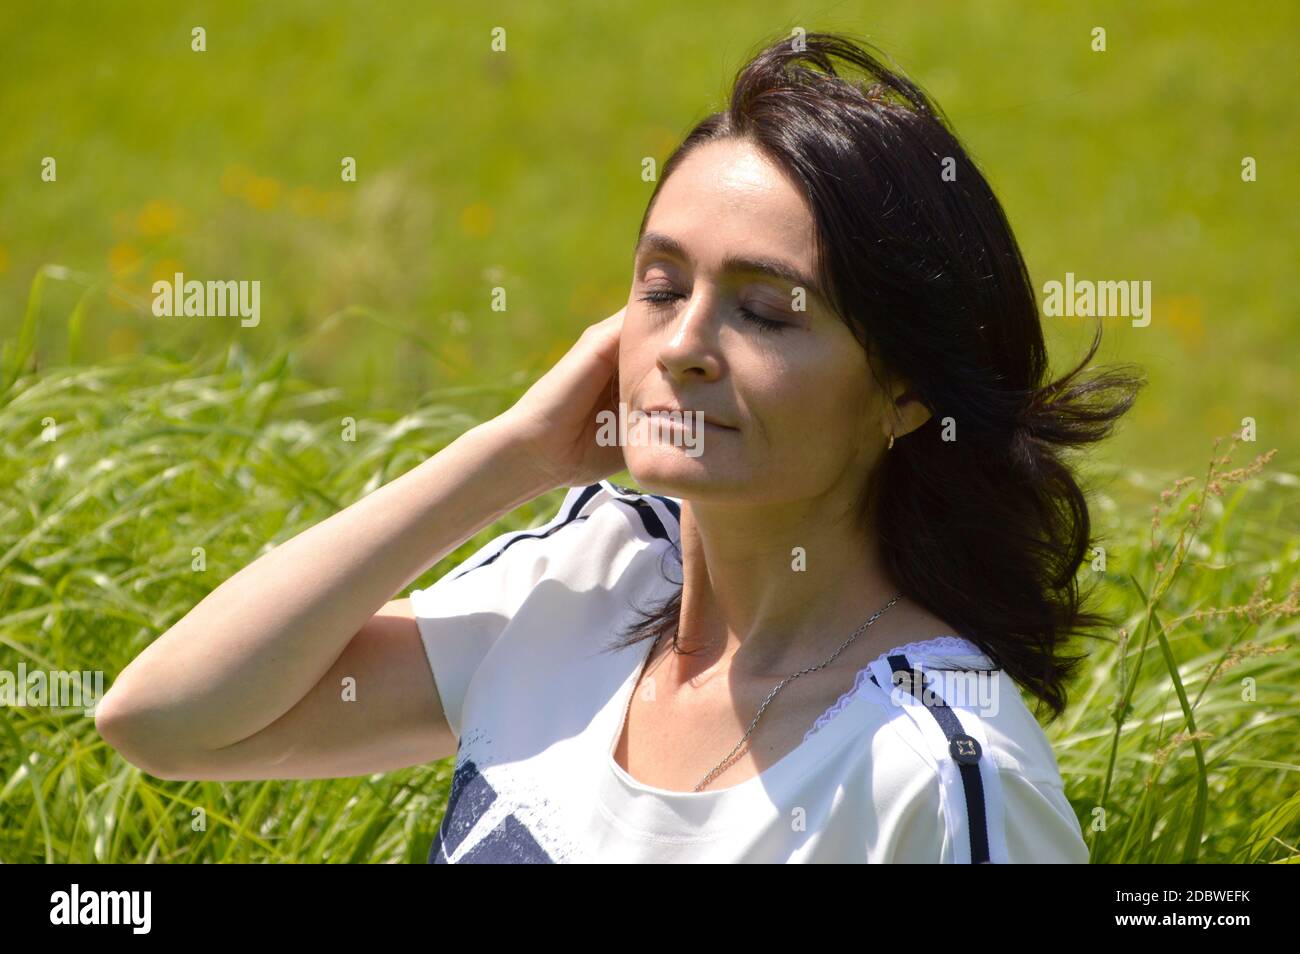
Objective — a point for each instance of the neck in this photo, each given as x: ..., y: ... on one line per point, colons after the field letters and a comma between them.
x: 751, y: 605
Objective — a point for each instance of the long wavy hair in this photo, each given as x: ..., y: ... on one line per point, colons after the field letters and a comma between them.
x: 980, y: 518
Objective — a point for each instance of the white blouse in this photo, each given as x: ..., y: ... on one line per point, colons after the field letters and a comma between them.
x: 516, y: 635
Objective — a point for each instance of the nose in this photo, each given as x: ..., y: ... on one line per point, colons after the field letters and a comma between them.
x: 690, y: 346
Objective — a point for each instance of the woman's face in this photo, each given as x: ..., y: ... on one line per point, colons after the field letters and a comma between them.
x: 791, y: 386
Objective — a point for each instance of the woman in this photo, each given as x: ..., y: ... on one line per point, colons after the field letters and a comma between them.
x: 826, y: 605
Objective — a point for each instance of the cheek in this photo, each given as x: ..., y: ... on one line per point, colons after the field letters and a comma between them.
x: 635, y: 357
x: 822, y: 383
x: 817, y: 407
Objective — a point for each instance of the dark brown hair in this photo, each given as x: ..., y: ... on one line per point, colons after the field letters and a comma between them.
x: 987, y: 531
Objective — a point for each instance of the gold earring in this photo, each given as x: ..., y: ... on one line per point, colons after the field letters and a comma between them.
x: 891, y: 441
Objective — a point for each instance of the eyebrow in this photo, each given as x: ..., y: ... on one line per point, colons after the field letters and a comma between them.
x: 771, y: 267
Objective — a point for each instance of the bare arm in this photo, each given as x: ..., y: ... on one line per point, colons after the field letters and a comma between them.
x: 258, y: 644
x: 391, y: 718
x: 249, y: 684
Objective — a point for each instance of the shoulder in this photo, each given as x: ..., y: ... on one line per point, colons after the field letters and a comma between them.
x: 652, y: 517
x: 946, y: 685
x: 492, y: 624
x: 977, y: 778
x: 615, y: 517
x: 597, y: 527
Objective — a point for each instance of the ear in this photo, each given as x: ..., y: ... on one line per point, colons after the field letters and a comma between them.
x: 906, y: 413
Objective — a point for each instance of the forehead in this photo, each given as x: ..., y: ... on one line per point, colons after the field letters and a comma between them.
x: 726, y: 197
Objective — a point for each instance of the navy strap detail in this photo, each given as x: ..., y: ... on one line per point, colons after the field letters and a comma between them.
x: 649, y: 519
x: 964, y: 750
x: 566, y: 518
x: 640, y: 502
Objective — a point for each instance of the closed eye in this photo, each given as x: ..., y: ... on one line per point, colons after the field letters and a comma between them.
x: 763, y: 324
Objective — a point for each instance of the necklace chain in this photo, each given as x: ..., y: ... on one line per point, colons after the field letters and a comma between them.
x: 781, y: 685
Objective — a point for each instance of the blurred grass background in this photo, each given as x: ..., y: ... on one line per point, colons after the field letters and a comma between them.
x: 521, y: 169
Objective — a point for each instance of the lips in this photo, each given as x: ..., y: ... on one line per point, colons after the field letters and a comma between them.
x: 683, y: 413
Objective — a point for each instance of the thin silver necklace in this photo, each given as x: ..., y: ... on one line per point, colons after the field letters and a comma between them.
x: 781, y: 685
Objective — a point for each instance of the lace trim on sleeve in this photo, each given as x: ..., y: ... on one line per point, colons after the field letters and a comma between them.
x: 925, y: 649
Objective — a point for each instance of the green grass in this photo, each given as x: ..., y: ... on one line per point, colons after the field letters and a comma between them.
x: 149, y: 459
x: 152, y: 457
x: 522, y: 170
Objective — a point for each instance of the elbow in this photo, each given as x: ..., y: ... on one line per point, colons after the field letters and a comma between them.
x: 134, y: 742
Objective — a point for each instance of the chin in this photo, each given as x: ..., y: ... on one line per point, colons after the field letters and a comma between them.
x: 670, y: 472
